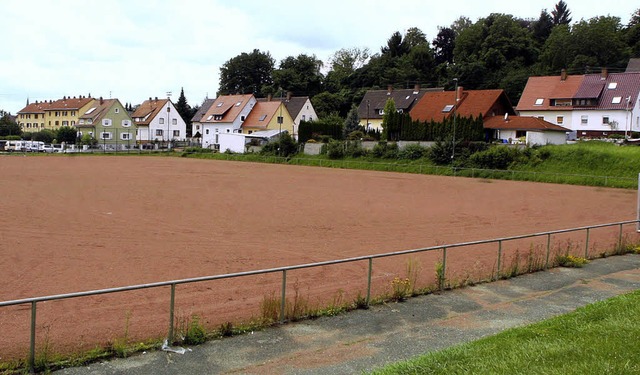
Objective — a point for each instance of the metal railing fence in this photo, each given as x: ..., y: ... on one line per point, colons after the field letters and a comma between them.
x: 283, y: 270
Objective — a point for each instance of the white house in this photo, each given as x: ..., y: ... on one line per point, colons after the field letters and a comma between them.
x: 592, y: 105
x: 532, y: 131
x: 224, y: 115
x: 158, y: 120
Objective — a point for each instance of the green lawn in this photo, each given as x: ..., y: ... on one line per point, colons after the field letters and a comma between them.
x: 602, y: 338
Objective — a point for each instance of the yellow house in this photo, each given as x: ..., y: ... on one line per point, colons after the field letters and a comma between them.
x: 66, y: 111
x: 268, y: 115
x: 31, y: 118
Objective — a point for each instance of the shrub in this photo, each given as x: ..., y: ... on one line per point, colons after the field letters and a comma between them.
x: 441, y: 151
x: 196, y: 333
x: 354, y: 149
x: 386, y: 150
x: 335, y: 149
x: 497, y: 157
x: 284, y: 146
x: 412, y: 152
x: 571, y: 261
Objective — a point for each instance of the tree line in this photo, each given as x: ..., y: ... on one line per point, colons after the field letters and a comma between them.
x: 497, y: 51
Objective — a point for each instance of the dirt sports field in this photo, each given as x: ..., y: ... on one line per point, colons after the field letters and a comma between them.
x: 73, y: 224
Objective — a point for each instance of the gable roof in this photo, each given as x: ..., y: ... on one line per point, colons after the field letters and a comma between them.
x: 616, y: 90
x: 197, y: 117
x: 539, y: 91
x: 67, y: 104
x: 36, y: 107
x: 633, y: 65
x: 261, y: 114
x: 295, y: 104
x: 226, y: 108
x: 522, y: 123
x: 148, y: 110
x: 404, y: 100
x: 97, y: 111
x: 437, y: 106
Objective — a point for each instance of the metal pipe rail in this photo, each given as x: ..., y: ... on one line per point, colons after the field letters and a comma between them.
x: 172, y: 283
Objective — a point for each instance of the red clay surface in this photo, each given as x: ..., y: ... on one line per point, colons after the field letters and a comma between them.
x: 73, y: 224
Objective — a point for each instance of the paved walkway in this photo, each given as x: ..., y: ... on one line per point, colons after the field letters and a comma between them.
x: 367, y: 339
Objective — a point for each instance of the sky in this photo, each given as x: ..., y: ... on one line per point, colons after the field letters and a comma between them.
x: 133, y: 49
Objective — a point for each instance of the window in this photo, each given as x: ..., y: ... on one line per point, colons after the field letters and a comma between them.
x: 220, y: 104
x: 262, y: 117
x: 605, y: 120
x: 217, y: 117
x: 612, y: 85
x: 174, y: 121
x: 616, y: 100
x: 207, y: 131
x: 209, y: 118
x: 158, y: 132
x: 228, y: 130
x: 126, y: 123
x: 90, y: 110
x: 65, y: 123
x: 381, y: 112
x: 584, y: 119
x: 106, y: 122
x: 539, y: 101
x: 117, y: 110
x: 242, y: 118
x: 161, y: 122
x: 303, y: 117
x: 238, y: 103
x: 125, y: 136
x: 176, y: 133
x: 447, y: 108
x: 57, y: 123
x: 105, y: 135
x: 280, y: 119
x: 560, y: 120
x: 250, y: 131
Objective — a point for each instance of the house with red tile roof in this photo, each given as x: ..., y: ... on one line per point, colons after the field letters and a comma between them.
x: 268, y: 115
x: 157, y: 120
x: 531, y: 131
x: 299, y: 107
x: 53, y: 114
x: 371, y: 108
x: 591, y: 105
x: 225, y: 114
x: 438, y: 106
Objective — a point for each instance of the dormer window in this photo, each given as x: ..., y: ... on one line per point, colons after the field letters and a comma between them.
x: 539, y: 101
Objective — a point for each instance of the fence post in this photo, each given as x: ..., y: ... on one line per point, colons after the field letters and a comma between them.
x: 499, y: 259
x: 586, y: 248
x: 620, y: 238
x: 444, y: 267
x: 284, y: 296
x: 369, y: 281
x: 32, y: 340
x: 171, y: 309
x: 548, y: 249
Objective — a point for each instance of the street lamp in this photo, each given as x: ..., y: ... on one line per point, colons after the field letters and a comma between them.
x: 367, y: 126
x: 455, y: 105
x: 168, y: 110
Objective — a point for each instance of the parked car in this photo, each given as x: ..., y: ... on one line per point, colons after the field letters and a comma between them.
x: 47, y: 148
x: 57, y: 148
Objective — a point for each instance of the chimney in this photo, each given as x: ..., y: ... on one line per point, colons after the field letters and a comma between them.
x: 604, y: 73
x: 101, y: 101
x: 289, y: 94
x: 563, y: 75
x: 459, y: 93
x: 64, y: 98
x: 156, y: 98
x: 269, y: 97
x: 389, y: 89
x: 416, y: 88
x: 149, y: 98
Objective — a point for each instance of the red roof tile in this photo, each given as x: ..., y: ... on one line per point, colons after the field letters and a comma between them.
x: 439, y: 105
x: 521, y: 123
x: 148, y: 110
x: 545, y: 88
x: 261, y: 114
x: 227, y: 106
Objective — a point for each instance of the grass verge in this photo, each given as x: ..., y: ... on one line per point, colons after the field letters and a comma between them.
x: 601, y: 338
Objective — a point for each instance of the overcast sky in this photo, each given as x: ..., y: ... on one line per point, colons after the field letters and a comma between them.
x: 133, y: 50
